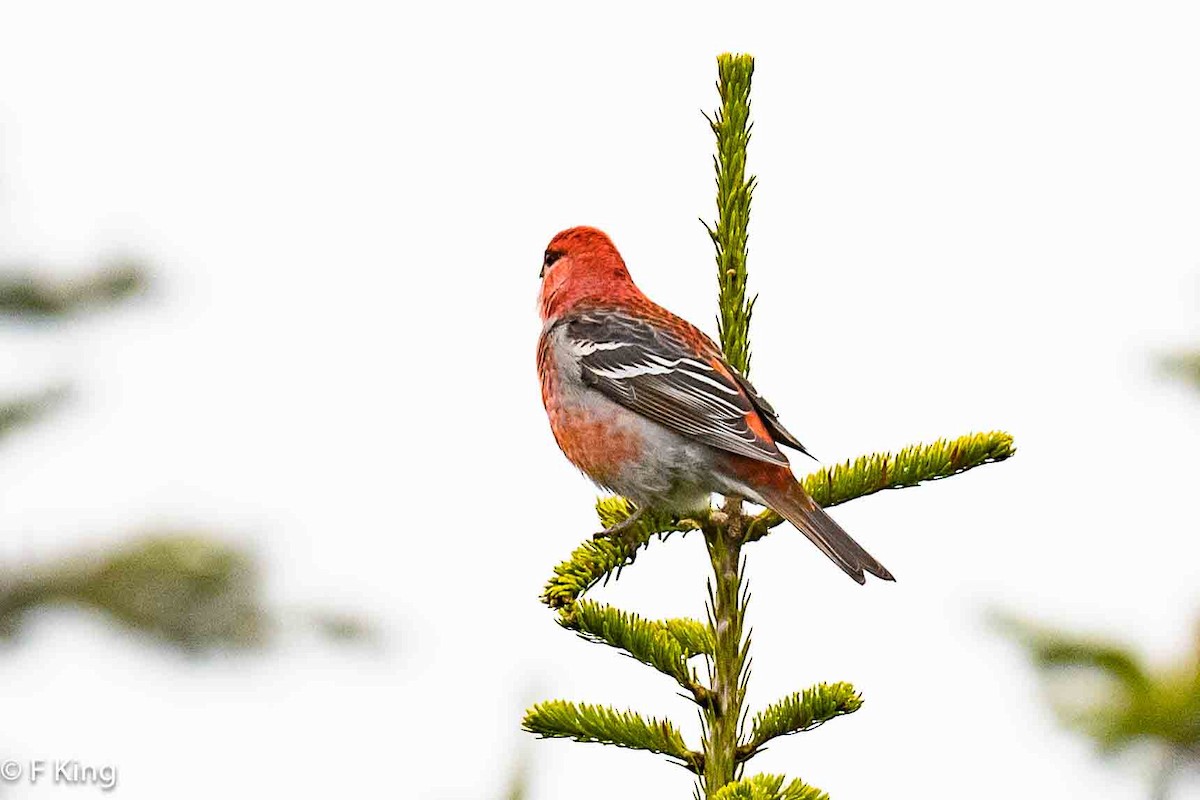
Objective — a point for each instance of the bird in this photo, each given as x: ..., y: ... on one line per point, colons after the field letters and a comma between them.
x: 647, y: 406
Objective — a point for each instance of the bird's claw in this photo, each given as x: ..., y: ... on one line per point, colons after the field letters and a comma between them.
x: 622, y: 530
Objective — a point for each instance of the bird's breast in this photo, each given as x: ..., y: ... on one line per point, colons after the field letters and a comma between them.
x: 598, y: 436
x: 597, y: 443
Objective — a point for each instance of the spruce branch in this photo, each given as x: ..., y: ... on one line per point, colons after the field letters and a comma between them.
x: 583, y: 722
x: 188, y: 590
x: 24, y: 294
x: 652, y: 643
x: 1160, y: 706
x: 594, y: 561
x: 1050, y: 649
x: 21, y: 411
x: 665, y: 645
x: 800, y: 712
x: 913, y: 465
x: 695, y: 637
x: 1185, y: 364
x: 769, y: 787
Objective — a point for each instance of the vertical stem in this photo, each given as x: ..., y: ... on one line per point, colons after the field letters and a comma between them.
x: 725, y: 531
x: 724, y: 538
x: 731, y: 125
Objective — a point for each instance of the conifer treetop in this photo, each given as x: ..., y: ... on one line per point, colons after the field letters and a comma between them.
x: 709, y: 659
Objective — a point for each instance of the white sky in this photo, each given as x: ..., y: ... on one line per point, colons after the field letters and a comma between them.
x: 970, y: 216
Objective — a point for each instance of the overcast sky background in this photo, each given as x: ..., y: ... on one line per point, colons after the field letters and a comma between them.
x: 970, y: 216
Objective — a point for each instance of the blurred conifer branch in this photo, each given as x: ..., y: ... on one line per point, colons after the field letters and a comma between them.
x: 1136, y: 703
x: 21, y: 411
x: 1186, y: 365
x: 1105, y: 691
x: 719, y: 642
x: 23, y: 293
x: 342, y: 627
x: 188, y: 590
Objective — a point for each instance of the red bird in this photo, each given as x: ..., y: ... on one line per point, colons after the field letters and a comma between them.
x: 646, y: 405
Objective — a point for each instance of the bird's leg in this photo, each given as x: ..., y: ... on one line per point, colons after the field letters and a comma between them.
x: 618, y: 531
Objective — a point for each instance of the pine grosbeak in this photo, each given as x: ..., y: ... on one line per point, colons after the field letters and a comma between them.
x: 646, y: 405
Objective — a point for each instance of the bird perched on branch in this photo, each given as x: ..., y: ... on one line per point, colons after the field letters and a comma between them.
x: 647, y: 406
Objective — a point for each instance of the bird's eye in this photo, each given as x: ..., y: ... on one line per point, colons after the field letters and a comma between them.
x: 548, y: 261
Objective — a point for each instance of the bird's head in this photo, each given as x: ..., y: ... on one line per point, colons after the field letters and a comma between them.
x: 580, y: 264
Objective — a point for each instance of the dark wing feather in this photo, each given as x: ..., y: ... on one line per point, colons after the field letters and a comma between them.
x: 650, y: 370
x: 781, y: 434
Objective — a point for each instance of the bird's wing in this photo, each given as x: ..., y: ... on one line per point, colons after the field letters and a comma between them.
x: 652, y: 370
x: 780, y: 434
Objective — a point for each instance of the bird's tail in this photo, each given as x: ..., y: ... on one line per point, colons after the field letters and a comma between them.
x: 793, y: 504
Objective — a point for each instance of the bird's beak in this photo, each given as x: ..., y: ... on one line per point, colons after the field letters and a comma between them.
x: 542, y: 273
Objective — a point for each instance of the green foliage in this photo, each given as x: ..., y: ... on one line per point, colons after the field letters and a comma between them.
x: 188, y: 590
x: 1141, y: 704
x: 589, y: 723
x: 913, y: 465
x: 595, y: 560
x: 731, y: 125
x: 1051, y: 649
x: 652, y: 643
x: 768, y: 787
x: 802, y: 711
x: 22, y: 411
x: 23, y: 294
x: 1186, y: 365
x: 695, y: 637
x: 342, y: 627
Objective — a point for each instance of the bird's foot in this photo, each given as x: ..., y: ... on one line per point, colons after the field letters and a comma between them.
x: 622, y: 529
